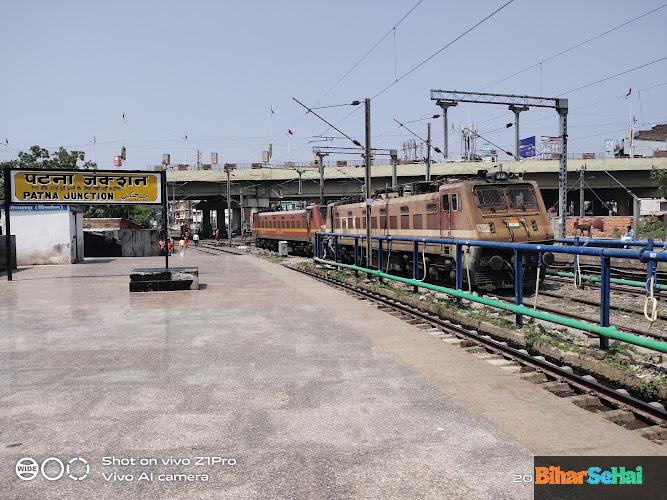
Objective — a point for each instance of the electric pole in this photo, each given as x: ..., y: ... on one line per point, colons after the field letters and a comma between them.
x: 428, y: 151
x: 393, y: 154
x: 516, y: 110
x: 229, y: 206
x: 321, y: 157
x: 369, y: 200
x: 562, y: 108
x: 300, y: 172
x: 445, y: 105
x: 582, y: 207
x: 242, y: 214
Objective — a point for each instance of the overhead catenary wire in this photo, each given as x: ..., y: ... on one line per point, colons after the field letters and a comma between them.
x: 444, y: 47
x: 363, y: 57
x: 487, y: 140
x: 310, y: 110
x: 573, y: 47
x: 577, y: 108
x: 434, y: 148
x: 427, y: 59
x: 576, y: 89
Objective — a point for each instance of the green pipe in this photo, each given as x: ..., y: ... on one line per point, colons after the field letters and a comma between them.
x: 604, y: 331
x: 619, y: 281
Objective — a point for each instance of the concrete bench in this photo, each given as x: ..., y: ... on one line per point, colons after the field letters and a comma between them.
x: 161, y: 279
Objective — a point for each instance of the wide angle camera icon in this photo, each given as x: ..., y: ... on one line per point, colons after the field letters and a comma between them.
x: 76, y: 468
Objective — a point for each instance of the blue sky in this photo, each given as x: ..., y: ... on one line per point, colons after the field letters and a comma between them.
x: 213, y: 69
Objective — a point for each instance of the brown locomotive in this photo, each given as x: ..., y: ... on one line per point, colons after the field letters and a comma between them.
x: 489, y: 207
x: 298, y: 227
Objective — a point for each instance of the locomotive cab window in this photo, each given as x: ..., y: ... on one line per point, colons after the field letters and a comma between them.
x: 490, y: 198
x: 445, y: 203
x: 521, y: 197
x: 455, y: 202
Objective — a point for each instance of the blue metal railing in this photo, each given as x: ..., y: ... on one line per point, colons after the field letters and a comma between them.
x: 646, y: 255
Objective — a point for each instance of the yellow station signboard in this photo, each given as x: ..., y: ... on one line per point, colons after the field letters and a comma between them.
x: 86, y: 187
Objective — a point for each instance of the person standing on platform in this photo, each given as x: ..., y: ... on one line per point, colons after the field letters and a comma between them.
x: 162, y: 249
x: 195, y: 238
x: 170, y: 246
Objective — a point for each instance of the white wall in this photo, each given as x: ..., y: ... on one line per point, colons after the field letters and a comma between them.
x: 46, y: 236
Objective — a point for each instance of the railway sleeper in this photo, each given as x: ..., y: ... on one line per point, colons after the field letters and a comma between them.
x: 587, y: 401
x: 536, y: 377
x: 560, y: 389
x: 619, y: 416
x: 653, y: 432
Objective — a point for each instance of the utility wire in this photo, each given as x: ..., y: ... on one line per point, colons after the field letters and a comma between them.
x: 449, y: 44
x: 484, y: 138
x: 362, y: 58
x: 576, y: 46
x: 354, y: 141
x: 612, y: 76
x: 369, y: 51
x: 590, y: 105
x: 420, y: 64
x: 428, y: 143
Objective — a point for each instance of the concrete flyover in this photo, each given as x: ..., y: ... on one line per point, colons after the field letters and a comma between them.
x: 262, y: 186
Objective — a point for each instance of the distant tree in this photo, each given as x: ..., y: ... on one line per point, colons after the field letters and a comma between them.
x: 143, y: 216
x: 38, y: 157
x: 660, y: 177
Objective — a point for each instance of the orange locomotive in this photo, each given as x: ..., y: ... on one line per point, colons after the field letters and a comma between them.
x: 298, y: 227
x: 490, y: 207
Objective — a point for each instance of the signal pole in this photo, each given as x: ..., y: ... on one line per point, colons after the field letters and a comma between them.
x: 369, y: 200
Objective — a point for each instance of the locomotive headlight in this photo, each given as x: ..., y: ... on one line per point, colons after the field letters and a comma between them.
x: 496, y: 263
x: 548, y: 259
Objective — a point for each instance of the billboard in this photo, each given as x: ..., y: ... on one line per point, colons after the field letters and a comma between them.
x: 527, y: 147
x: 550, y: 145
x: 85, y: 187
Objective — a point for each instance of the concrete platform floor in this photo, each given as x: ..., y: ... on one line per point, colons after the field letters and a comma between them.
x: 313, y: 393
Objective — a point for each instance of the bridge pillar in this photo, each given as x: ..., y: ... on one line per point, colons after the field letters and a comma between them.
x: 235, y: 221
x: 220, y: 221
x: 206, y: 229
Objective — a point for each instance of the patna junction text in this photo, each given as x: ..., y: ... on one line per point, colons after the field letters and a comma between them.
x: 52, y: 196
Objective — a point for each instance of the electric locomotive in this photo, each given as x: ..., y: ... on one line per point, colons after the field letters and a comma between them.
x: 489, y: 207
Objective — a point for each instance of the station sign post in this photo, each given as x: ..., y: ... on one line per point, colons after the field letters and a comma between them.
x: 84, y: 187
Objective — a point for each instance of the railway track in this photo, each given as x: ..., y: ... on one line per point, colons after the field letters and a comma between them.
x: 628, y: 290
x: 569, y: 314
x: 635, y: 291
x: 646, y: 418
